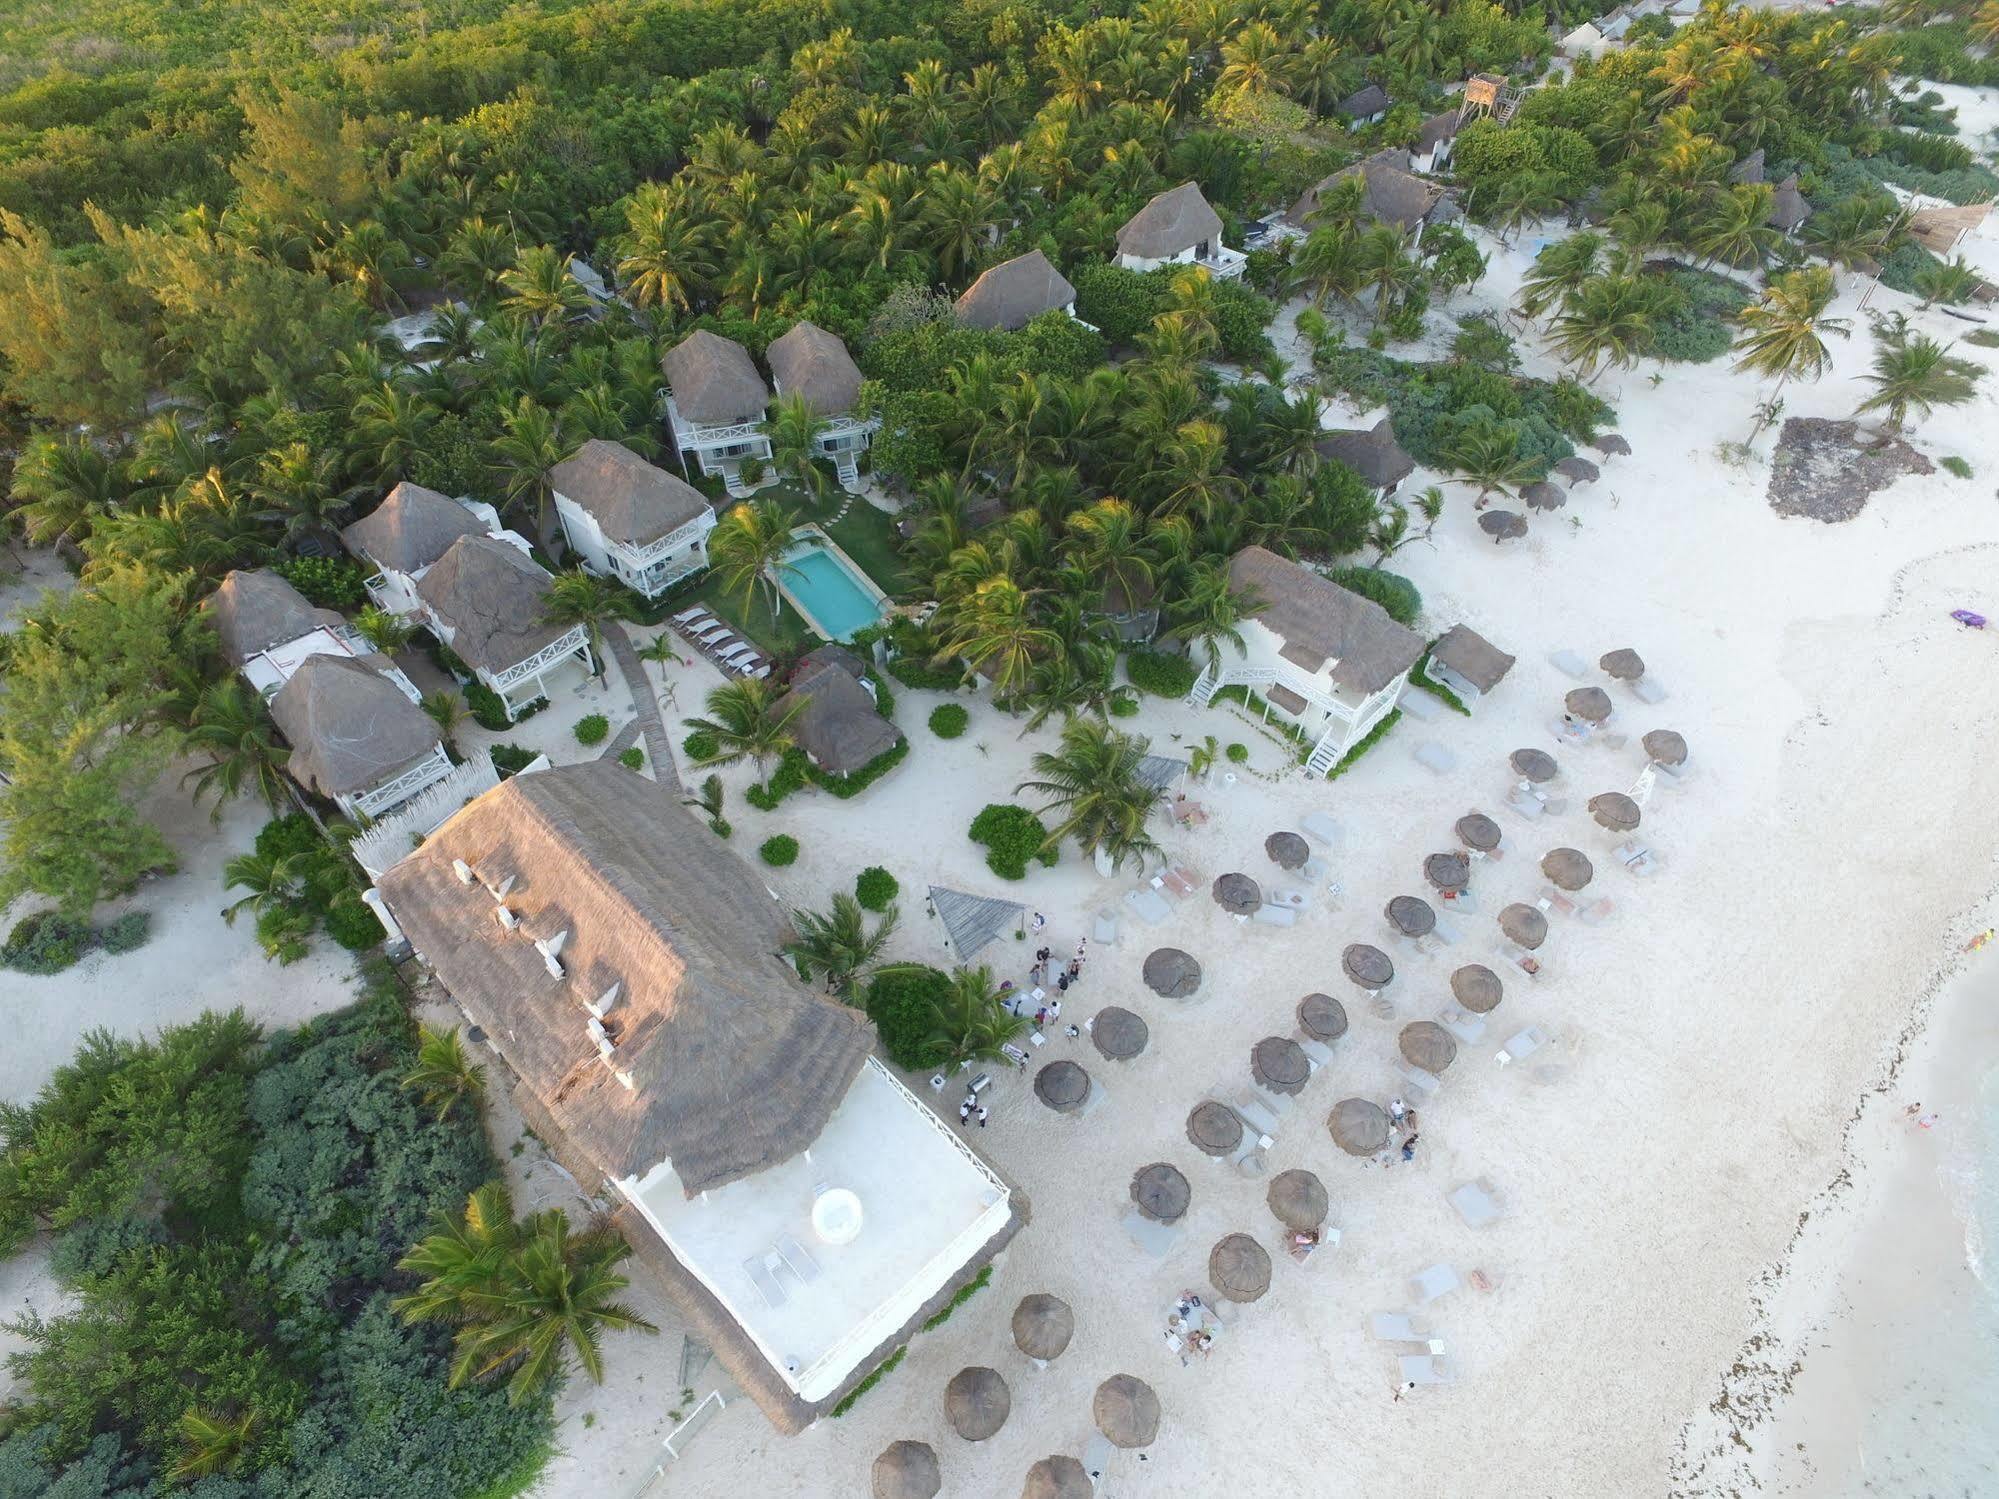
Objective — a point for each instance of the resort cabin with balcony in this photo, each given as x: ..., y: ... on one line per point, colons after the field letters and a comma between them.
x: 358, y: 736
x: 1178, y: 227
x: 838, y: 723
x: 1392, y: 194
x: 1014, y: 293
x: 1325, y: 659
x: 405, y: 534
x: 1466, y: 665
x: 804, y: 1209
x: 1371, y: 452
x: 1435, y: 140
x: 629, y: 520
x: 484, y: 600
x: 715, y: 404
x: 813, y: 365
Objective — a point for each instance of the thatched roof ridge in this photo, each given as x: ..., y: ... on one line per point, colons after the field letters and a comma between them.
x: 631, y: 500
x: 349, y: 726
x: 1321, y: 621
x: 255, y: 609
x: 1013, y: 293
x: 411, y: 528
x: 1175, y: 220
x: 1438, y: 129
x: 812, y: 364
x: 838, y: 723
x: 1371, y: 452
x: 1369, y: 99
x: 1788, y: 208
x: 1393, y: 194
x: 492, y: 595
x: 1472, y: 657
x: 1749, y: 169
x: 735, y: 1064
x: 713, y: 380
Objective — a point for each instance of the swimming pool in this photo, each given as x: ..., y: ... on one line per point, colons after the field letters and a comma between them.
x: 824, y: 585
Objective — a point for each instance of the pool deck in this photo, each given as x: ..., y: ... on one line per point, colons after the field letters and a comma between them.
x: 816, y: 538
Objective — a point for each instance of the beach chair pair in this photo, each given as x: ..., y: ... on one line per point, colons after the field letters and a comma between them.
x: 1467, y: 1027
x: 1431, y: 755
x: 1477, y: 1202
x: 1433, y: 1284
x: 1521, y: 1044
x: 1275, y: 915
x: 1149, y: 905
x: 1321, y: 828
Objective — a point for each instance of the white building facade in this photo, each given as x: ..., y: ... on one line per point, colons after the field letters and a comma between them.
x: 715, y: 407
x: 1178, y: 227
x: 629, y: 520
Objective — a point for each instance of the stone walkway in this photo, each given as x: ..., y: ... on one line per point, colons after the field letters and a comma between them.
x: 659, y: 749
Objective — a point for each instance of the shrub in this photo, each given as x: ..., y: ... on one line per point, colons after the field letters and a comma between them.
x: 1392, y: 591
x: 46, y: 942
x: 1160, y: 673
x: 633, y: 758
x: 287, y: 836
x: 328, y: 582
x: 700, y: 747
x: 484, y: 704
x: 779, y: 851
x: 787, y: 778
x: 901, y: 1000
x: 353, y: 925
x: 1011, y: 836
x: 882, y: 1371
x: 1124, y: 707
x: 512, y: 759
x: 1238, y: 753
x: 875, y: 887
x: 1956, y: 465
x: 914, y: 671
x: 126, y: 933
x: 592, y: 728
x: 964, y: 1294
x: 1374, y: 736
x: 948, y: 720
x: 859, y: 781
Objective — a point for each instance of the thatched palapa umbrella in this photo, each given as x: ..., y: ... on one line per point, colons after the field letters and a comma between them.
x: 1126, y: 1411
x: 1279, y: 1064
x: 1590, y: 704
x: 1287, y: 850
x: 1615, y: 811
x: 1171, y: 973
x: 1367, y: 966
x: 1239, y: 1268
x: 1161, y: 1192
x: 1534, y: 765
x: 1665, y: 746
x: 1543, y: 496
x: 1502, y: 525
x: 1567, y: 868
x: 1624, y: 664
x: 1477, y: 832
x: 1062, y: 1086
x: 1237, y: 894
x: 1299, y: 1200
x: 1057, y: 1478
x: 907, y: 1470
x: 976, y: 1402
x: 1611, y: 442
x: 1525, y: 925
x: 1477, y: 988
x: 1411, y: 916
x: 1358, y: 1126
x: 1428, y: 1045
x: 1448, y: 872
x: 1322, y: 1017
x: 1578, y: 471
x: 1043, y: 1326
x: 1119, y: 1035
x: 1214, y: 1127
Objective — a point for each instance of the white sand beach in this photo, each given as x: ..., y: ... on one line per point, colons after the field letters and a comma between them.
x: 1713, y: 1038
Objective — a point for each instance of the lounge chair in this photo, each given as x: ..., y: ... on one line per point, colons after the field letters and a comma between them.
x: 1178, y: 879
x: 1433, y: 757
x: 1097, y: 1458
x: 1467, y: 1027
x: 760, y: 673
x: 1419, y: 705
x: 741, y: 651
x: 1320, y: 826
x: 1551, y: 902
x: 1157, y: 1239
x: 1648, y: 690
x: 1255, y: 1113
x: 1104, y: 933
x: 1569, y: 664
x: 1477, y: 1203
x: 1433, y: 1283
x: 1521, y: 1044
x: 719, y: 644
x: 1524, y: 804
x: 707, y: 629
x: 798, y: 1258
x: 689, y: 616
x: 1276, y: 915
x: 1595, y: 911
x: 1150, y: 906
x: 765, y: 1282
x: 1425, y: 1368
x: 1399, y: 1327
x: 1420, y: 1082
x: 1316, y: 1052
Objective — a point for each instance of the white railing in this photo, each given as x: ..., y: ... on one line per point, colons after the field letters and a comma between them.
x: 699, y: 435
x: 377, y: 799
x: 389, y: 841
x: 680, y: 536
x: 548, y: 655
x: 1223, y: 263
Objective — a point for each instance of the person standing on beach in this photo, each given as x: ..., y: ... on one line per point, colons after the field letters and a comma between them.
x: 965, y: 1112
x: 982, y: 1116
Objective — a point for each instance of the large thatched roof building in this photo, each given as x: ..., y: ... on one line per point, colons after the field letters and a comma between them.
x: 1014, y: 293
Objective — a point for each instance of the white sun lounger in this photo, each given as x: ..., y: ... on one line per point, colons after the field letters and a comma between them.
x: 1256, y: 1114
x: 761, y: 672
x: 1425, y: 1368
x: 800, y: 1261
x: 1150, y: 906
x: 1521, y: 1044
x: 1648, y: 690
x: 1104, y: 933
x: 1467, y: 1027
x: 1321, y: 826
x: 1420, y: 705
x: 688, y: 616
x: 1157, y: 1239
x: 740, y: 651
x: 1316, y: 1052
x: 1276, y: 915
x: 1569, y: 663
x: 707, y: 629
x: 765, y: 1282
x: 1433, y: 1283
x: 1477, y: 1203
x: 1097, y: 1459
x: 1432, y: 756
x: 1421, y: 1082
x: 1399, y: 1327
x: 718, y: 644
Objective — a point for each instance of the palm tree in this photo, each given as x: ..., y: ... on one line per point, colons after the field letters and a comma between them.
x: 840, y: 946
x: 1559, y: 272
x: 447, y: 710
x: 580, y: 598
x: 61, y: 487
x: 992, y: 628
x: 1487, y: 456
x: 1329, y: 264
x: 386, y: 632
x: 1255, y: 60
x: 394, y: 425
x: 744, y: 721
x: 957, y: 212
x: 1388, y: 268
x: 1783, y: 332
x: 1109, y: 547
x: 1914, y: 371
x: 443, y: 1074
x: 272, y: 882
x: 231, y: 725
x: 665, y: 257
x: 1736, y: 230
x: 793, y: 428
x: 1390, y: 531
x: 971, y: 1022
x: 212, y: 1442
x: 475, y: 259
x: 1609, y: 322
x: 530, y: 444
x: 540, y: 289
x: 1093, y: 781
x: 1211, y: 613
x: 748, y: 547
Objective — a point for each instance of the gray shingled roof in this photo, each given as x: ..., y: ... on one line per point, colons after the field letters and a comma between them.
x: 1013, y: 293
x: 349, y: 726
x: 253, y: 610
x: 1788, y: 207
x: 1472, y: 657
x: 1437, y: 129
x: 1373, y: 453
x: 1175, y: 220
x: 1321, y: 621
x: 1370, y: 100
x: 492, y: 596
x: 1395, y: 195
x: 811, y: 363
x: 411, y: 528
x: 631, y: 500
x: 713, y: 380
x: 735, y: 1064
x: 838, y: 724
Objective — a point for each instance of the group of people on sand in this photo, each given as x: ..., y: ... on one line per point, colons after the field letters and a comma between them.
x: 1401, y: 1117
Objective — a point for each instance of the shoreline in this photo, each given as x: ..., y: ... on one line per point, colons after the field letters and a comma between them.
x: 1862, y: 1370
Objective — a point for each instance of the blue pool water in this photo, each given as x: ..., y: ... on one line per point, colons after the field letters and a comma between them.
x: 825, y: 584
